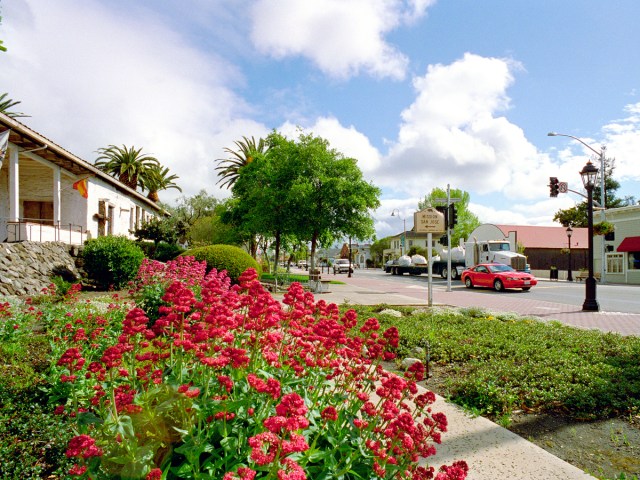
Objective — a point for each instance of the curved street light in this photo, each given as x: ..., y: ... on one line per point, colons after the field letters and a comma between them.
x: 404, y: 229
x: 602, y: 197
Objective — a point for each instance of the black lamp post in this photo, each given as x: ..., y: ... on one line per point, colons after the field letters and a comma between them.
x: 589, y: 174
x: 569, y: 233
x: 349, y: 274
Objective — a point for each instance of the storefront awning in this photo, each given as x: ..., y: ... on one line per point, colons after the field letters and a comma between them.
x: 629, y: 244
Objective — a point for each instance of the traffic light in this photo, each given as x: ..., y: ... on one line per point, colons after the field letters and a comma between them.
x: 553, y: 186
x: 453, y: 215
x: 444, y: 211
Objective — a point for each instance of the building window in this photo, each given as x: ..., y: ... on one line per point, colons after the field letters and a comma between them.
x: 615, y: 263
x: 634, y: 260
x: 110, y: 219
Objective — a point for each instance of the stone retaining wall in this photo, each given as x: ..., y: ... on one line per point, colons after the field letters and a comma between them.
x: 27, y: 267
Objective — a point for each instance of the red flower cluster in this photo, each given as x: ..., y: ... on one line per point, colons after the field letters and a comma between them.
x: 220, y: 357
x: 83, y: 446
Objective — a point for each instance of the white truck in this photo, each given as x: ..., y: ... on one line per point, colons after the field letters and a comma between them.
x: 417, y: 265
x: 493, y: 251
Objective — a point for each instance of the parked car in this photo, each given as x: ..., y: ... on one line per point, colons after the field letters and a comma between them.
x: 497, y: 276
x: 342, y: 266
x: 302, y: 264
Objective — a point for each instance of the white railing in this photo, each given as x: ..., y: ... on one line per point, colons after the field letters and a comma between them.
x: 38, y: 230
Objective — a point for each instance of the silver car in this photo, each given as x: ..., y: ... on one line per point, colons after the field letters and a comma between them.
x: 342, y: 266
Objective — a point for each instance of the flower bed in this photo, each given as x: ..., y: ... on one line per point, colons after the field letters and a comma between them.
x: 212, y: 380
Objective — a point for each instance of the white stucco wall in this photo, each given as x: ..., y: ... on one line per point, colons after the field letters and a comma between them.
x: 121, y: 203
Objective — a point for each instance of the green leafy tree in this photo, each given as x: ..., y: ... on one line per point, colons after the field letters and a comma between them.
x: 212, y: 230
x: 264, y: 190
x: 377, y: 249
x: 157, y: 230
x: 304, y: 191
x: 156, y: 179
x: 128, y: 164
x: 467, y: 220
x: 330, y: 198
x: 576, y: 216
x: 229, y: 168
x: 188, y: 211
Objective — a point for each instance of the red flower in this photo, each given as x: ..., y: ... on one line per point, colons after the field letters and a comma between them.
x: 330, y: 413
x: 77, y: 470
x: 244, y: 473
x: 154, y: 474
x: 83, y: 446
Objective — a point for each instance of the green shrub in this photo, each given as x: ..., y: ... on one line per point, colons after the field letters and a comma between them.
x: 112, y: 261
x: 167, y: 251
x: 224, y: 257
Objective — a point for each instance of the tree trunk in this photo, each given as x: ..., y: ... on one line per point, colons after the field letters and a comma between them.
x: 153, y: 196
x: 131, y: 182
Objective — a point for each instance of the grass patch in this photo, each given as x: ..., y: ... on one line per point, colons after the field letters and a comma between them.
x: 288, y: 278
x: 503, y: 362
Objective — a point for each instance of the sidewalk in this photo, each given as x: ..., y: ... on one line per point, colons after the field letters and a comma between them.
x: 490, y: 450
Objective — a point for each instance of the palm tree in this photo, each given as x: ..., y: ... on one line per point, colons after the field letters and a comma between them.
x: 127, y: 164
x: 6, y: 104
x: 230, y: 167
x: 157, y: 178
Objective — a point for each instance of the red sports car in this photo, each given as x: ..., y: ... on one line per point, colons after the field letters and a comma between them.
x: 498, y: 276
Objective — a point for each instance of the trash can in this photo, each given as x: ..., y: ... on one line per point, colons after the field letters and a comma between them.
x: 553, y: 273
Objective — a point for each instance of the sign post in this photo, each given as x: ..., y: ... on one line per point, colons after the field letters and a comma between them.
x: 429, y: 221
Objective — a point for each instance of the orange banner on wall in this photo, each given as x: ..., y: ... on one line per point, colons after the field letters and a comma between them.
x: 81, y: 187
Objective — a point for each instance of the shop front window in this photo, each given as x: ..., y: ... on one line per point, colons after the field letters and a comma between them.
x: 615, y: 263
x: 634, y: 260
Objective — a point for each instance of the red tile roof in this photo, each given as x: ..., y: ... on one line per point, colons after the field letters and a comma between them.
x: 547, y: 237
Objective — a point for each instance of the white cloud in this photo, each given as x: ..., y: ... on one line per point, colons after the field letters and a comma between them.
x: 346, y: 140
x: 622, y: 138
x: 341, y: 37
x: 453, y: 133
x: 109, y: 77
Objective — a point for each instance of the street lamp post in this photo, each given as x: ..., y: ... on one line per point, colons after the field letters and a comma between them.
x: 403, y: 240
x: 349, y: 271
x: 589, y: 174
x: 569, y: 233
x: 602, y: 198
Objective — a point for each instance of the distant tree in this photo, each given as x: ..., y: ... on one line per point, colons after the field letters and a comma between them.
x: 189, y: 210
x: 6, y: 104
x: 157, y: 229
x: 377, y: 249
x: 229, y: 168
x: 467, y: 220
x: 128, y: 164
x: 344, y: 251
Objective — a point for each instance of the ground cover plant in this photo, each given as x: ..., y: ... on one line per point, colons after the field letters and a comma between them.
x: 228, y: 383
x: 502, y: 363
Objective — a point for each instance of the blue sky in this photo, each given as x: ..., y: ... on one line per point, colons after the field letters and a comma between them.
x: 424, y: 93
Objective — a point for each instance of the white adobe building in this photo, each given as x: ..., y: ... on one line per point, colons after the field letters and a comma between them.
x: 41, y: 193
